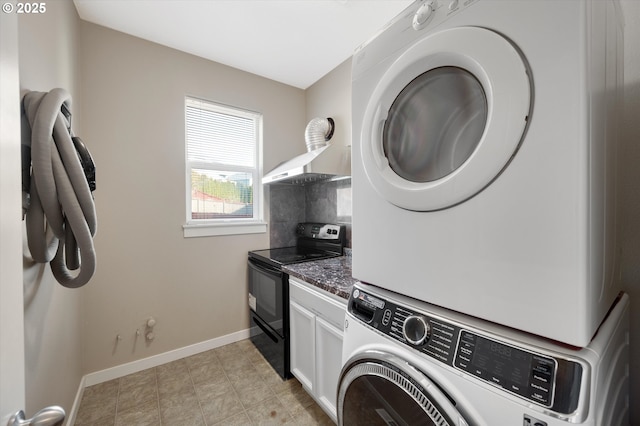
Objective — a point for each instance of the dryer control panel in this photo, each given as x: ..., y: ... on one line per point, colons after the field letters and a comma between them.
x: 541, y: 378
x: 433, y: 12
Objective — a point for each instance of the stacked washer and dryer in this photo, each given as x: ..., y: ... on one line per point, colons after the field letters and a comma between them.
x: 483, y: 173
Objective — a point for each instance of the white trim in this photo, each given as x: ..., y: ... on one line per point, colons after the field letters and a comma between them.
x: 256, y: 171
x: 215, y: 229
x: 12, y: 351
x: 155, y: 360
x: 71, y: 416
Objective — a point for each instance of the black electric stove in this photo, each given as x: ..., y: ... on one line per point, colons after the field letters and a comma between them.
x: 269, y: 287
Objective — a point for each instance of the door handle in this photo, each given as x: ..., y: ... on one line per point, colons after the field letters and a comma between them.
x: 49, y: 416
x: 268, y: 333
x: 265, y: 269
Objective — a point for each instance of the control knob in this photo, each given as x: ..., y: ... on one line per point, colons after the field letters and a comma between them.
x: 423, y: 15
x: 416, y: 329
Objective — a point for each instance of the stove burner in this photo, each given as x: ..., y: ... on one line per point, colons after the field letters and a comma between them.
x: 289, y: 255
x: 291, y: 258
x: 315, y: 255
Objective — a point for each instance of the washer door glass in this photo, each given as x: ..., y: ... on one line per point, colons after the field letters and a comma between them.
x: 435, y: 124
x: 445, y: 119
x: 380, y: 393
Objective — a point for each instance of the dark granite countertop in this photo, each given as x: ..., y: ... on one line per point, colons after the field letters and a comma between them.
x: 332, y: 275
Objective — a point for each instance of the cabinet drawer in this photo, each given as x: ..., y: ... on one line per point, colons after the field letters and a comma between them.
x: 323, y: 304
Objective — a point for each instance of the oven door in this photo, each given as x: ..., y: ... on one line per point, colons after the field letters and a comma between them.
x: 267, y: 295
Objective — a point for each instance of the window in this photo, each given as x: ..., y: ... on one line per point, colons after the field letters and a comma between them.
x: 223, y: 152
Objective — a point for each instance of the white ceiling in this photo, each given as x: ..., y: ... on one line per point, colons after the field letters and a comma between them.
x: 295, y: 42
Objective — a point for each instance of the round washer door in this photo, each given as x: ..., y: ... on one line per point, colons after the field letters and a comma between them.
x: 445, y: 119
x: 381, y: 389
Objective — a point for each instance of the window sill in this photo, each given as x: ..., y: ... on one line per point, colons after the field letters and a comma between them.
x: 209, y: 230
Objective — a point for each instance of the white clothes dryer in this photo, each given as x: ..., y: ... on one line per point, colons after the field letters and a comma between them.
x: 483, y: 160
x: 406, y: 362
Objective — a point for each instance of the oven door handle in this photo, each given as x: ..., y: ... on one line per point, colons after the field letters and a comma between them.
x: 266, y: 269
x: 265, y: 329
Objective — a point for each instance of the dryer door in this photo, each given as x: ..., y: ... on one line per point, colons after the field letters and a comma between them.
x: 446, y: 118
x: 382, y: 389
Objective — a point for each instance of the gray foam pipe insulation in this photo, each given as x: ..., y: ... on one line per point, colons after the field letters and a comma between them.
x: 60, y: 212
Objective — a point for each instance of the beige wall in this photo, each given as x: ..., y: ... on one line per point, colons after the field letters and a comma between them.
x: 331, y: 97
x: 134, y: 115
x: 629, y: 191
x: 53, y: 357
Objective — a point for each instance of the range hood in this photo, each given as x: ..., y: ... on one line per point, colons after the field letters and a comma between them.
x: 323, y: 160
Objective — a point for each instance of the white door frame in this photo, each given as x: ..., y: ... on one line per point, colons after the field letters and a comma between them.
x: 12, y: 369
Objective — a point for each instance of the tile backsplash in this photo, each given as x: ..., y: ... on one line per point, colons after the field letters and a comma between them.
x: 328, y: 201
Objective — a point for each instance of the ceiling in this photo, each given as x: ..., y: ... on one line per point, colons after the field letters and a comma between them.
x: 295, y: 42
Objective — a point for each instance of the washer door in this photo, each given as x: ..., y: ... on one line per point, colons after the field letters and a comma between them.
x: 445, y: 119
x: 382, y: 389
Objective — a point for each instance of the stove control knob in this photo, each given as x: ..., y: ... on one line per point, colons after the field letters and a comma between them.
x: 416, y: 329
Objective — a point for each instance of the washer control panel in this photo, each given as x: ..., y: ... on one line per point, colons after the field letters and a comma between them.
x: 540, y: 378
x: 522, y: 372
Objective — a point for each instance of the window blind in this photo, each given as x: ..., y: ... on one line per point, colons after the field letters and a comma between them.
x: 214, y: 136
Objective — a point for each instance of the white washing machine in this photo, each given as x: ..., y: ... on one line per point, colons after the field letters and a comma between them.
x: 406, y: 362
x: 483, y: 160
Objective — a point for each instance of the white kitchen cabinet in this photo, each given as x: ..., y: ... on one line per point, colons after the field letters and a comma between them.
x: 316, y: 327
x: 328, y: 364
x: 303, y: 336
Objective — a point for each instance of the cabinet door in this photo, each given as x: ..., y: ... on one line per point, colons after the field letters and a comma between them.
x: 302, y: 331
x: 328, y: 364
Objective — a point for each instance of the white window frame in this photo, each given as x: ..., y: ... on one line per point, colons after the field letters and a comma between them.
x: 225, y: 226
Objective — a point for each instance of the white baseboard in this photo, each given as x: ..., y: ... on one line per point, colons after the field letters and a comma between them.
x: 71, y: 417
x: 152, y: 361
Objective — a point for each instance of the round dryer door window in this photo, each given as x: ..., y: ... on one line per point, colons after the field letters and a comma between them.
x: 435, y: 124
x: 446, y: 119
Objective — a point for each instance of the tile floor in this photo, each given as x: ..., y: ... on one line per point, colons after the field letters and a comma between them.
x: 230, y: 385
